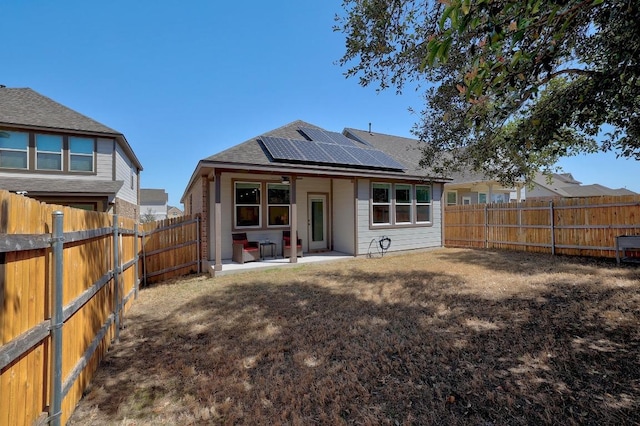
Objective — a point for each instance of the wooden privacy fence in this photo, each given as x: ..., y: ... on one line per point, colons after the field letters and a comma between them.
x: 170, y: 248
x: 66, y: 278
x: 571, y: 226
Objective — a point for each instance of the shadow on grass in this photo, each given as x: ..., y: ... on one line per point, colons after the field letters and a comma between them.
x: 359, y: 347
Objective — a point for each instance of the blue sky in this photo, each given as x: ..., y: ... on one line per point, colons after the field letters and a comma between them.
x: 183, y: 80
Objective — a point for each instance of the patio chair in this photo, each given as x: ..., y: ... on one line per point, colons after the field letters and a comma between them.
x: 286, y: 244
x: 243, y: 249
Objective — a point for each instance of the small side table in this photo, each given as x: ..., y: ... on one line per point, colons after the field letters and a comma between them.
x: 272, y: 249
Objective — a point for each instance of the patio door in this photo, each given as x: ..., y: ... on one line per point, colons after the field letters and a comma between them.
x: 317, y: 222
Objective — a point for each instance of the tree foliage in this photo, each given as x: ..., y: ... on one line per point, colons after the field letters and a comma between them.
x: 511, y: 85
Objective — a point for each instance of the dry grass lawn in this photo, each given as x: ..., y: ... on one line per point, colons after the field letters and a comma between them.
x: 451, y: 337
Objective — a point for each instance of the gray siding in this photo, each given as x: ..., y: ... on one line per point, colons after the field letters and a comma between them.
x: 129, y: 191
x: 343, y: 216
x: 405, y: 238
x: 104, y: 157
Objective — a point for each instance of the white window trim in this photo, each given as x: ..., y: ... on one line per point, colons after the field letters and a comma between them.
x: 288, y: 206
x: 486, y: 197
x: 410, y: 204
x: 446, y: 197
x: 236, y: 205
x: 430, y: 204
x: 41, y: 151
x: 466, y: 200
x: 389, y: 204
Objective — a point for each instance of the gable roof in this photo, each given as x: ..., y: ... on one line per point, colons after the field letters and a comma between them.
x: 252, y: 155
x: 564, y: 185
x: 26, y: 108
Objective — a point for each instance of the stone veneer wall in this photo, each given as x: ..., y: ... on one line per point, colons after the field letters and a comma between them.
x: 126, y: 209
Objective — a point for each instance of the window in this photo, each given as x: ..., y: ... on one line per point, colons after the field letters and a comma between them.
x: 381, y: 203
x: 403, y: 204
x: 247, y: 205
x: 278, y: 204
x: 452, y: 198
x: 423, y: 203
x: 466, y: 201
x: 81, y: 154
x: 48, y: 152
x: 13, y: 150
x: 482, y: 197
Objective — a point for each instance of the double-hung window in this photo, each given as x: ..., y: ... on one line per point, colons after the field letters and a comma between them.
x: 452, y: 198
x: 48, y: 152
x: 247, y: 205
x: 14, y: 150
x: 423, y: 203
x: 81, y: 154
x: 403, y: 203
x: 381, y: 203
x: 278, y: 204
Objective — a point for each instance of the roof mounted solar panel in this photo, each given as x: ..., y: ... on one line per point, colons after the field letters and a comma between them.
x: 312, y: 152
x: 385, y: 160
x: 320, y: 135
x: 339, y: 154
x: 282, y: 149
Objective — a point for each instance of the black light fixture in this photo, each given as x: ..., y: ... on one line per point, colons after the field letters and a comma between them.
x: 285, y: 180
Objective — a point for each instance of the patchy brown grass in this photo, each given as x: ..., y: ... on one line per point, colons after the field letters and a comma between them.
x: 455, y: 337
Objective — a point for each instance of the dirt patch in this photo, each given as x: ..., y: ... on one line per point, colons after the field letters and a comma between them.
x: 456, y: 337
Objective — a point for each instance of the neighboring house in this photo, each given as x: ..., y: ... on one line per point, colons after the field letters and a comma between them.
x: 468, y: 188
x: 339, y: 193
x: 153, y: 204
x: 173, y: 211
x: 564, y: 185
x: 57, y: 155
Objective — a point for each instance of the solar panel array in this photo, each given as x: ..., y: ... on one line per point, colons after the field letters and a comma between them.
x: 328, y: 148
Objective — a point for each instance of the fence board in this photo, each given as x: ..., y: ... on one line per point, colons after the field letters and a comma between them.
x: 570, y: 226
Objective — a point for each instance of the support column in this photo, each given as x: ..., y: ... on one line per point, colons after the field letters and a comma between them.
x: 217, y: 223
x: 293, y: 258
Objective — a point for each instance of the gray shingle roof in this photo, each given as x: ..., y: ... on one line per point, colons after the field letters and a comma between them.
x: 25, y: 107
x: 61, y: 186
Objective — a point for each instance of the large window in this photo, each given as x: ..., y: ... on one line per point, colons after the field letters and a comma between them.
x: 400, y: 204
x: 381, y: 199
x: 403, y: 203
x: 278, y: 204
x: 247, y: 205
x: 49, y: 152
x: 423, y: 203
x: 452, y: 198
x: 14, y: 150
x: 81, y: 154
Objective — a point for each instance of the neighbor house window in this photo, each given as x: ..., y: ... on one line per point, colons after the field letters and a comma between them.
x: 381, y: 203
x: 423, y: 203
x: 81, y: 154
x: 48, y: 152
x: 278, y: 204
x: 247, y: 205
x: 403, y: 203
x: 452, y: 198
x: 482, y: 197
x: 13, y: 150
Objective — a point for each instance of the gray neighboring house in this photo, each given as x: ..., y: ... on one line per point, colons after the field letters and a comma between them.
x: 564, y: 185
x: 283, y: 180
x: 153, y: 204
x: 57, y: 155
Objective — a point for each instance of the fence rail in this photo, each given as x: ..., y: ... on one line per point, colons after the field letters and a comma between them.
x: 583, y: 226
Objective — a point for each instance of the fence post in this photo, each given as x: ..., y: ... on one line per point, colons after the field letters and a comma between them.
x: 135, y: 267
x: 144, y: 257
x: 486, y: 226
x: 553, y: 231
x: 116, y: 276
x: 57, y: 247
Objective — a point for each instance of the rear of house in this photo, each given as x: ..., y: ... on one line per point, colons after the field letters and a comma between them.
x: 337, y: 191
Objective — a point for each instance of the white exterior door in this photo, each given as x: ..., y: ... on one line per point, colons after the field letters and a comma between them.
x: 317, y: 222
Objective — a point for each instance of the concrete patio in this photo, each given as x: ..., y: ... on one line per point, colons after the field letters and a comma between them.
x: 230, y: 267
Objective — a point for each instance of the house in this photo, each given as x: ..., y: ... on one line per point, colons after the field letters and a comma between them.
x: 173, y: 211
x: 57, y: 155
x: 338, y: 192
x: 463, y: 187
x: 564, y: 185
x: 153, y: 204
